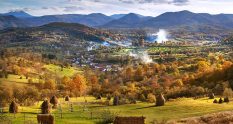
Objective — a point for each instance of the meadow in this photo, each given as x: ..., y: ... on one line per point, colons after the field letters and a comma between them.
x: 91, y: 112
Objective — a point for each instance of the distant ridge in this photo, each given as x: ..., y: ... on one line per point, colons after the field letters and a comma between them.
x: 131, y: 20
x: 19, y: 14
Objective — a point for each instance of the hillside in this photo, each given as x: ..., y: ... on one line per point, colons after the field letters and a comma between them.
x: 53, y: 32
x: 10, y: 21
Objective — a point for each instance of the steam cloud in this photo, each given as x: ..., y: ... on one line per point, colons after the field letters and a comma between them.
x: 161, y: 36
x: 143, y: 56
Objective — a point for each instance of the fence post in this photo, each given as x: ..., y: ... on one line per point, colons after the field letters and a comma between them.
x: 24, y: 118
x: 91, y: 114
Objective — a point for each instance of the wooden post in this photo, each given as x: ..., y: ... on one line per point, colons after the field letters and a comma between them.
x: 24, y: 118
x: 91, y: 114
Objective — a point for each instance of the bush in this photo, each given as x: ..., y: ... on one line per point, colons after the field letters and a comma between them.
x: 67, y: 98
x: 54, y: 101
x: 45, y: 107
x: 215, y: 101
x: 116, y: 100
x: 107, y: 117
x: 226, y: 99
x: 211, y: 96
x: 220, y: 101
x: 133, y: 101
x: 160, y: 100
x: 151, y: 98
x: 13, y: 107
x: 142, y: 98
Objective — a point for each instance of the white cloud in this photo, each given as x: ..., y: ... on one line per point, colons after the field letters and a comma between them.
x: 144, y: 7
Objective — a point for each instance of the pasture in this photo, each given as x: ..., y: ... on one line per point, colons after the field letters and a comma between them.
x: 90, y: 112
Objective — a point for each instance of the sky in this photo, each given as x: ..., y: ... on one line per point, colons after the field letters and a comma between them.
x: 109, y: 7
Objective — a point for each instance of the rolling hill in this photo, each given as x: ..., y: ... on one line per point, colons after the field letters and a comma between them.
x: 10, y: 21
x: 57, y: 32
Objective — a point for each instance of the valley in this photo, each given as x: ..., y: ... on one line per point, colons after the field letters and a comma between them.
x: 91, y: 72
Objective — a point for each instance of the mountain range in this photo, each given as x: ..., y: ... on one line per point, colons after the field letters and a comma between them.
x: 131, y: 20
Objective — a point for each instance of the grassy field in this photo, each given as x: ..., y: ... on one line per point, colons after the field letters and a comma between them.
x: 179, y: 108
x: 65, y: 72
x: 12, y: 78
x: 16, y: 79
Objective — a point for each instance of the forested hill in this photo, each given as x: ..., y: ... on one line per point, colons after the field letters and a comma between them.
x: 53, y: 32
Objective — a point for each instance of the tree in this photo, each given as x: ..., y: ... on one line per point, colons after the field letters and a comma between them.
x: 139, y: 74
x: 95, y: 86
x: 79, y: 84
x: 151, y: 98
x: 50, y: 84
x: 65, y: 80
x: 13, y: 107
x: 203, y: 66
x: 129, y: 74
x: 45, y: 107
x: 228, y: 92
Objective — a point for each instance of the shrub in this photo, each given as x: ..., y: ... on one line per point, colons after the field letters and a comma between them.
x: 13, y: 107
x: 211, y: 96
x: 220, y: 101
x: 215, y: 101
x: 67, y: 98
x: 45, y: 107
x: 151, y: 98
x: 226, y: 99
x: 116, y: 100
x: 142, y: 98
x: 160, y: 100
x: 107, y: 117
x: 133, y: 101
x: 54, y: 101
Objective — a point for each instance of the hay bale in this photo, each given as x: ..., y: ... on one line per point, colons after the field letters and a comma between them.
x: 211, y: 96
x: 215, y: 101
x: 160, y: 100
x: 13, y: 108
x: 220, y: 101
x: 54, y: 101
x: 116, y: 100
x: 226, y: 99
x: 67, y: 98
x: 45, y: 119
x: 45, y: 107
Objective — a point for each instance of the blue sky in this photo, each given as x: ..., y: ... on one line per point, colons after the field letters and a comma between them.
x: 108, y: 7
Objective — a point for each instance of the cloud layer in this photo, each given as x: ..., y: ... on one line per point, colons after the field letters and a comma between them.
x: 144, y: 7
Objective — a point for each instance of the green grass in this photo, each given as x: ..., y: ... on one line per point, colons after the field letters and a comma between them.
x: 179, y: 108
x: 65, y: 72
x: 16, y: 79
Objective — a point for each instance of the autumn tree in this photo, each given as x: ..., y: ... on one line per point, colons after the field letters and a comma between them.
x: 129, y: 74
x: 79, y: 84
x: 50, y: 84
